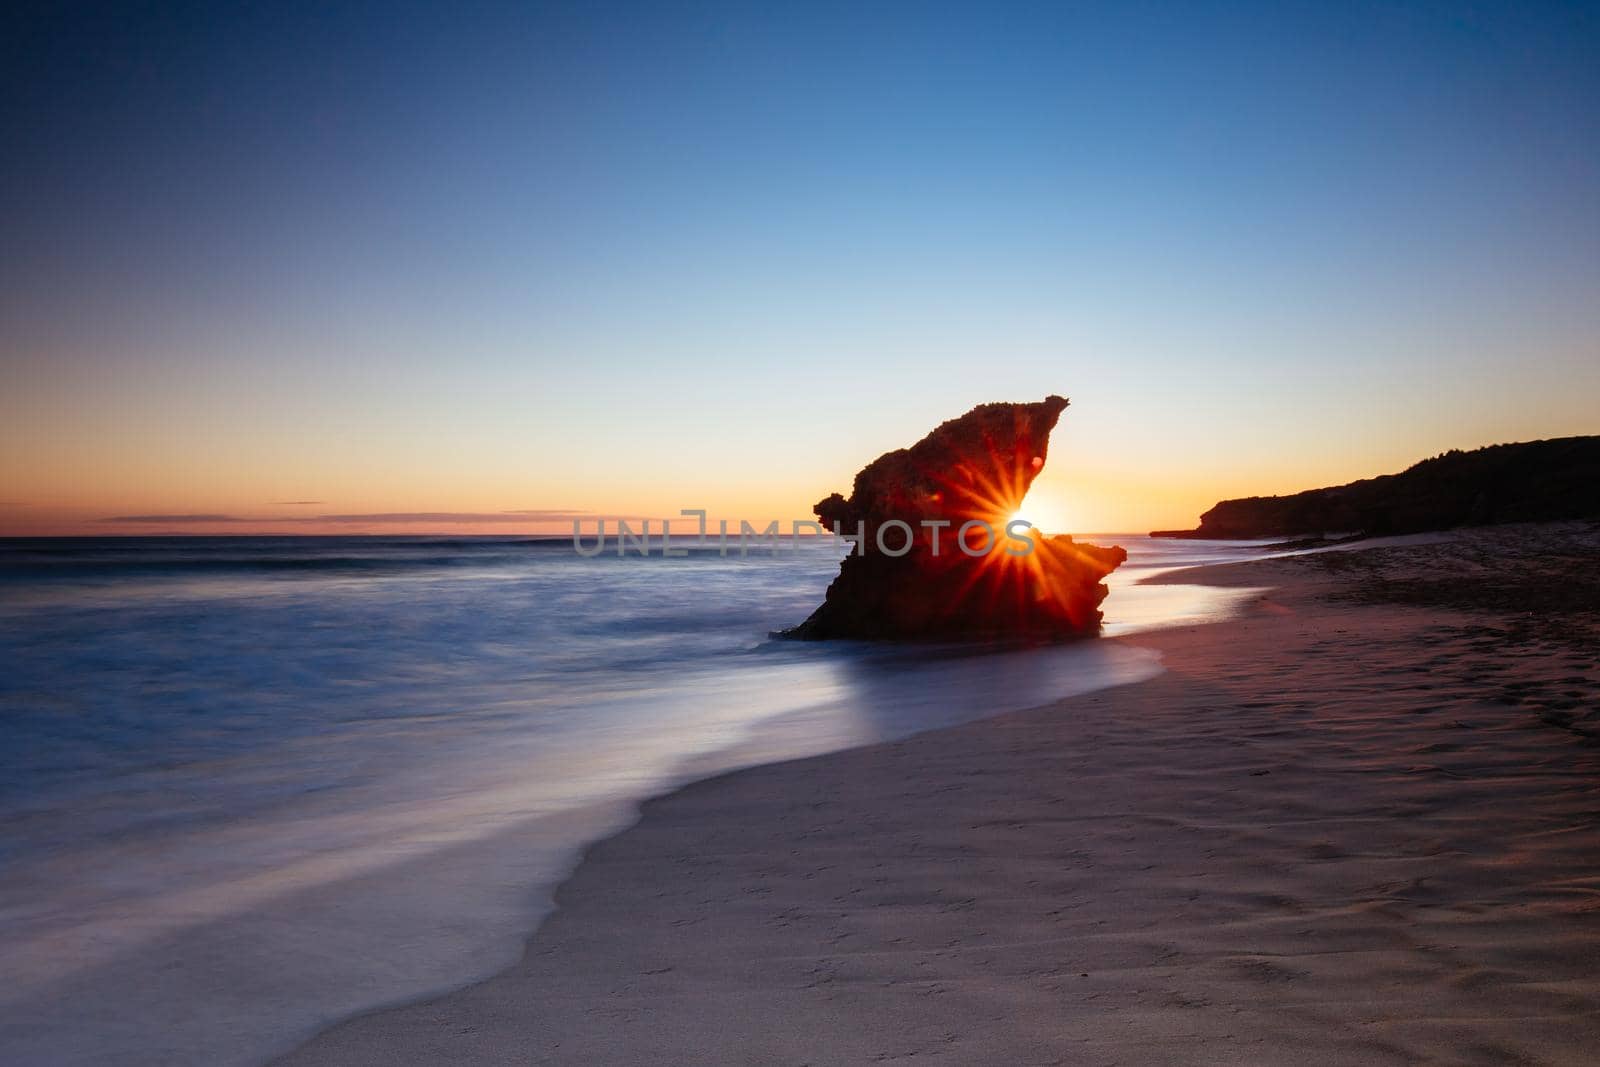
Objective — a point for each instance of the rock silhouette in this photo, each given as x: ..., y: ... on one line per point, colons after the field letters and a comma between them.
x: 1534, y: 481
x: 915, y: 574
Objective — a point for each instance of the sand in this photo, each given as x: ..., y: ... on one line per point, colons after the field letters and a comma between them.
x: 1358, y: 825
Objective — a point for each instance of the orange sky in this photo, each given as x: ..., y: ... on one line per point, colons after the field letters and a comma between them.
x: 1116, y: 464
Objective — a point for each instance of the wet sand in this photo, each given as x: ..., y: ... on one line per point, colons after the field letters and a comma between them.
x: 1358, y: 825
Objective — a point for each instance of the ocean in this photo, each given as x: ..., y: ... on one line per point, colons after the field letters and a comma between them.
x: 250, y: 786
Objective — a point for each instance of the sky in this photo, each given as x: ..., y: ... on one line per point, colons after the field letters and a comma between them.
x: 396, y: 267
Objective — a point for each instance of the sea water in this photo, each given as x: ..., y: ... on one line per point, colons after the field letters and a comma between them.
x: 250, y: 786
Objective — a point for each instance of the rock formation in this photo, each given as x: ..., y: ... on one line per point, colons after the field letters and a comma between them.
x: 912, y: 574
x: 1535, y: 481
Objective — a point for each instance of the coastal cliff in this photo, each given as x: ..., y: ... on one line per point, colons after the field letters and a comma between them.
x: 1534, y: 481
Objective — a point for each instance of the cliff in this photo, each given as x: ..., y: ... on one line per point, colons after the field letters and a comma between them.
x: 1534, y: 481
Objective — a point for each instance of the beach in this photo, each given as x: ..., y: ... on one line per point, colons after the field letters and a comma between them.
x: 1353, y: 825
x: 710, y: 534
x: 257, y: 786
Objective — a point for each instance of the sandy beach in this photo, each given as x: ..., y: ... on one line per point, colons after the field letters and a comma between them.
x: 1355, y: 825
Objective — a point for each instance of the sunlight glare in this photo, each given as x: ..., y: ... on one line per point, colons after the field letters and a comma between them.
x: 1045, y: 512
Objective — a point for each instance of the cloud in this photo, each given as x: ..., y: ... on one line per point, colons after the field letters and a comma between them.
x: 296, y: 503
x: 525, y: 515
x: 550, y: 513
x: 172, y: 518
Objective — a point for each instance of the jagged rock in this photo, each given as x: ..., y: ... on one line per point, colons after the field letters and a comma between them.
x: 912, y: 578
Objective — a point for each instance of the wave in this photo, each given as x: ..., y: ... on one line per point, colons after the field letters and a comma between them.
x: 28, y: 559
x: 102, y: 558
x: 91, y: 568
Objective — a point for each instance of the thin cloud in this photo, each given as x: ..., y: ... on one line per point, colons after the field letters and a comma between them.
x: 527, y: 515
x: 172, y: 518
x: 294, y: 503
x: 522, y: 515
x: 550, y: 513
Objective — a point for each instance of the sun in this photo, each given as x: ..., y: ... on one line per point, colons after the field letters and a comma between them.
x: 1045, y: 513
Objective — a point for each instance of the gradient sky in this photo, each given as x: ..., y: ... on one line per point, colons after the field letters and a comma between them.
x: 479, y: 266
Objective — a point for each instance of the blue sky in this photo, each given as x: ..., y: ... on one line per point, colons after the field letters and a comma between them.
x: 634, y: 257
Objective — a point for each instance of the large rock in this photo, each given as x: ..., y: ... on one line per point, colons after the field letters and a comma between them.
x: 973, y: 469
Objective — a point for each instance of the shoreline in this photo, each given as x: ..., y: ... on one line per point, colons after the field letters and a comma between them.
x: 1120, y: 874
x: 233, y: 940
